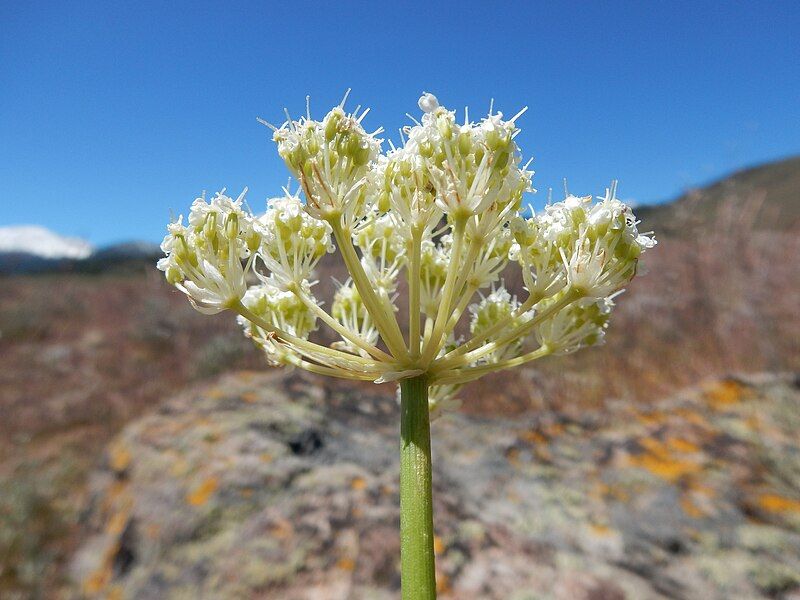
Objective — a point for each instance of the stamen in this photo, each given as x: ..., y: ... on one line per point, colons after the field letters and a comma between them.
x: 266, y: 123
x: 346, y: 94
x: 519, y: 114
x: 413, y: 119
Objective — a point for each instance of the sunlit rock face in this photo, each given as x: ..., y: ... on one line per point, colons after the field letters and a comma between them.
x: 273, y: 486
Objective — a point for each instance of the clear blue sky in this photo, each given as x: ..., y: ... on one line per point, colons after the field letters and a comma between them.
x: 112, y: 114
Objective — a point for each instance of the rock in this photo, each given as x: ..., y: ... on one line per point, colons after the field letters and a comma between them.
x: 268, y: 486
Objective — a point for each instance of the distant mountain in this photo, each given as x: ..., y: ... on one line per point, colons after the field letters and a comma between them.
x: 127, y: 255
x: 34, y: 249
x: 43, y: 243
x: 127, y: 251
x: 765, y: 197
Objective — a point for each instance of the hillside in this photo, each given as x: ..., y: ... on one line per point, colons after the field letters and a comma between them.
x: 768, y: 196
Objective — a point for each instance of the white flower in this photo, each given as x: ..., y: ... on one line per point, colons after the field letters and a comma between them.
x: 592, y: 247
x: 292, y: 241
x: 429, y: 226
x: 494, y: 308
x: 331, y: 159
x: 204, y: 260
x: 472, y: 167
x: 434, y: 260
x: 581, y: 324
x: 348, y: 308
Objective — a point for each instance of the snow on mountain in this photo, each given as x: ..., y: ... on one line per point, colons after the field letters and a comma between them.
x: 41, y: 242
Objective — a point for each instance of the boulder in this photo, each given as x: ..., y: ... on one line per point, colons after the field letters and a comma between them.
x: 272, y: 486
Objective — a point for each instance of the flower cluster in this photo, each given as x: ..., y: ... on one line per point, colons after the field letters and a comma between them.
x: 435, y: 221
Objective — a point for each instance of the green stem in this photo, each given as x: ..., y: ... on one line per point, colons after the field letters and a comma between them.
x: 417, y: 571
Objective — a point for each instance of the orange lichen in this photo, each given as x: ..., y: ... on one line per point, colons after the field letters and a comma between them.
x: 266, y: 457
x: 249, y: 397
x: 512, y: 454
x: 554, y: 430
x: 690, y: 508
x: 724, y: 393
x: 682, y: 445
x: 96, y: 582
x: 442, y: 583
x: 693, y: 417
x: 215, y: 393
x: 358, y: 483
x: 438, y: 545
x: 202, y: 492
x: 117, y: 522
x: 119, y: 457
x: 114, y: 593
x: 604, y: 490
x: 753, y: 422
x: 778, y: 504
x: 600, y: 529
x: 346, y: 564
x: 114, y: 491
x: 281, y: 530
x: 533, y: 437
x: 650, y: 418
x: 659, y: 461
x: 543, y: 453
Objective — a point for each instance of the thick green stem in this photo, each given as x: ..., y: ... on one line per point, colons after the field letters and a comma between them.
x: 417, y: 570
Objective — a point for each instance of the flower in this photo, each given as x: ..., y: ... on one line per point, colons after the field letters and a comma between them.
x: 593, y: 248
x: 583, y: 324
x: 330, y: 159
x: 472, y: 167
x: 498, y: 306
x: 349, y: 310
x: 204, y: 259
x: 434, y: 222
x: 292, y: 241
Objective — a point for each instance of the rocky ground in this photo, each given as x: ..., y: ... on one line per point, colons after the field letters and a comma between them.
x: 270, y: 486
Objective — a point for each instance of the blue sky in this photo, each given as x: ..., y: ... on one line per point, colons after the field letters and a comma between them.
x: 113, y: 114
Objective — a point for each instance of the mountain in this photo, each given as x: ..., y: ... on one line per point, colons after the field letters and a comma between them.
x: 40, y: 242
x: 128, y: 251
x: 35, y: 249
x: 765, y: 197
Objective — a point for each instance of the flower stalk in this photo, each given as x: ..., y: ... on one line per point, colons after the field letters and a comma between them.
x: 418, y: 574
